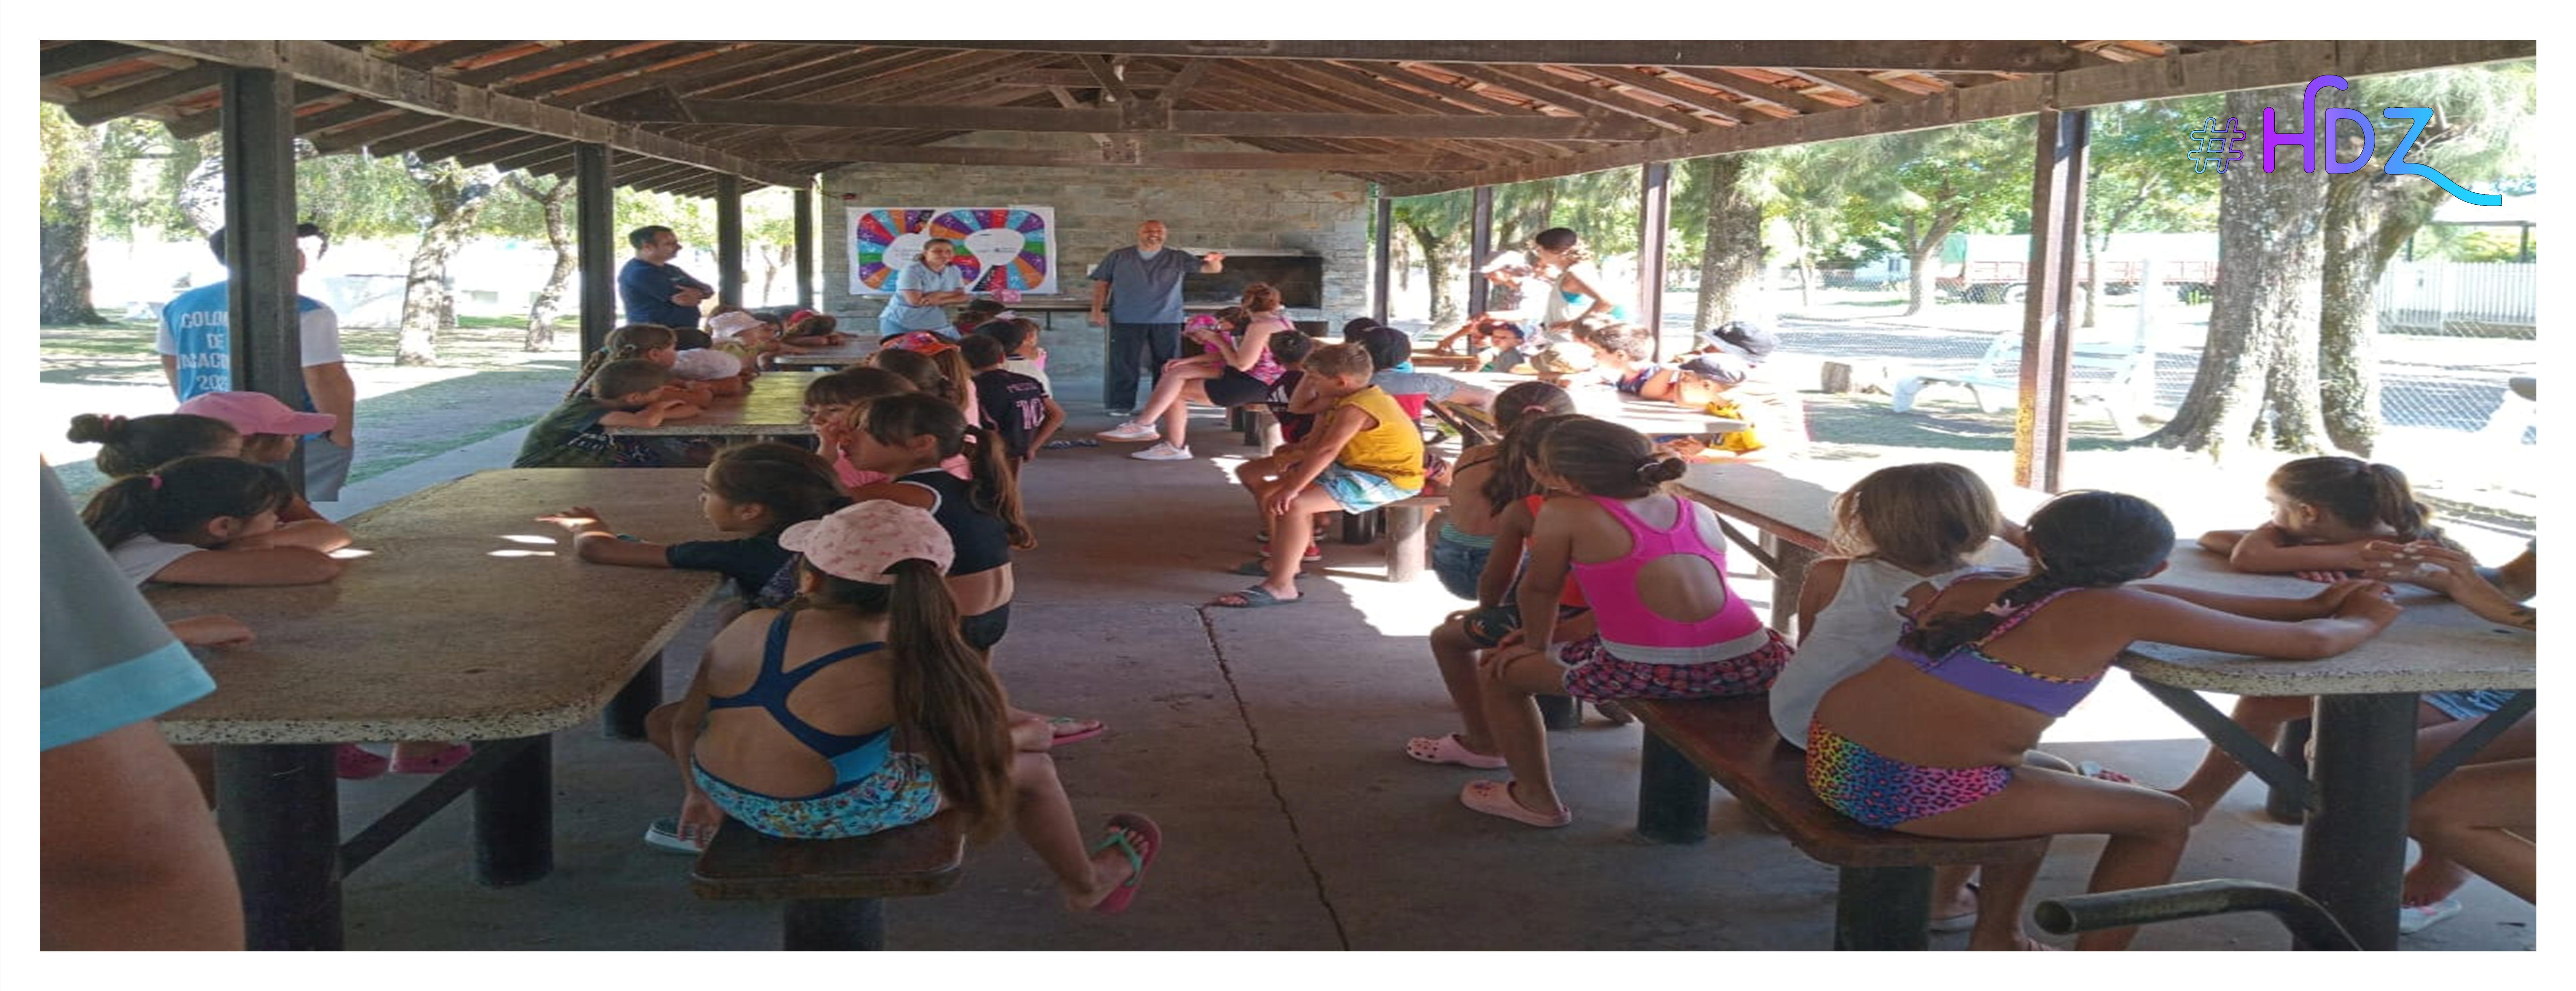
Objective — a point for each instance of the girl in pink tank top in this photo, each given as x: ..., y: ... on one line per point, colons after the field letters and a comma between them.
x: 1669, y: 627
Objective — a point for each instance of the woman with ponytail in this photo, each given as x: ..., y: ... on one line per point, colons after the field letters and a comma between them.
x: 1931, y: 739
x: 1653, y: 568
x: 861, y: 709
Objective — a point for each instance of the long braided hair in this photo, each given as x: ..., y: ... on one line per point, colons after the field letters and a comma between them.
x: 2078, y: 540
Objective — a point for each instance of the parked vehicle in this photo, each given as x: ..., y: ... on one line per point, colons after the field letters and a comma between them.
x: 1994, y: 268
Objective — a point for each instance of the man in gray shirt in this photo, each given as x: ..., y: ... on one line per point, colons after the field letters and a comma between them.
x: 1141, y: 286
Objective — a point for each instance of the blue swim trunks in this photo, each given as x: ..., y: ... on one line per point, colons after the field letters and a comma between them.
x: 1359, y: 491
x: 2469, y: 704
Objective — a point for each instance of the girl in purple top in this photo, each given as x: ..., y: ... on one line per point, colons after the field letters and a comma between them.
x: 1237, y: 369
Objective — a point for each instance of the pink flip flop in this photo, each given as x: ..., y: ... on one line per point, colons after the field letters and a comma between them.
x: 437, y: 763
x: 1494, y: 798
x: 1149, y: 836
x: 1076, y: 736
x: 1445, y: 749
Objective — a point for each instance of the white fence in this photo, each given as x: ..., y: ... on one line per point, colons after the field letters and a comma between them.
x: 2459, y: 297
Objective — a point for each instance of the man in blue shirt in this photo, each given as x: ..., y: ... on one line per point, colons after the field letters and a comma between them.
x: 195, y: 342
x: 656, y: 291
x: 1141, y: 287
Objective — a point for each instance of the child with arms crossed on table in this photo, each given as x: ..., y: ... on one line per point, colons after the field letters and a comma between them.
x: 1931, y: 739
x: 210, y: 521
x: 624, y: 393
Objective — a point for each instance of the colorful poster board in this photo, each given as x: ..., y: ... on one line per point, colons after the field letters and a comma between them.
x: 997, y: 247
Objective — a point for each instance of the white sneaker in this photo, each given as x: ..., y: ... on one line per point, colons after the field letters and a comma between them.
x: 664, y: 834
x: 1162, y: 452
x: 2412, y: 919
x: 1130, y: 431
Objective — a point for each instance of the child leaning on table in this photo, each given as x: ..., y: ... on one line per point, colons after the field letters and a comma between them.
x: 623, y: 393
x: 751, y: 492
x: 2325, y: 511
x: 1365, y: 454
x: 863, y: 710
x: 1930, y: 740
x: 210, y: 521
x: 246, y: 428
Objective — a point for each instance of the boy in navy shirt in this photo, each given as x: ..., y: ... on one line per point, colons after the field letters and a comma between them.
x: 1014, y: 405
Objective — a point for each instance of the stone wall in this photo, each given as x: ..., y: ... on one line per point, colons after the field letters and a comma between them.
x: 1097, y: 210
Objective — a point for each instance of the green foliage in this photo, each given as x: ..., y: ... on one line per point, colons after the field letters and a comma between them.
x: 66, y: 147
x: 357, y: 195
x: 2456, y: 243
x: 2138, y: 176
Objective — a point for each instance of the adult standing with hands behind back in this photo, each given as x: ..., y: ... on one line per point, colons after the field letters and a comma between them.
x: 656, y: 291
x: 1140, y: 287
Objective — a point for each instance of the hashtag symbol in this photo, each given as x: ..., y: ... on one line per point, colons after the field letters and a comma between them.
x: 2203, y: 147
x: 2232, y: 141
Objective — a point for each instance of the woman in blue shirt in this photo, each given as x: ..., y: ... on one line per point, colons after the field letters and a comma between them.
x: 920, y: 291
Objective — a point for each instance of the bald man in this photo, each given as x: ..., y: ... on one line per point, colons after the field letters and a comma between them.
x: 1141, y: 288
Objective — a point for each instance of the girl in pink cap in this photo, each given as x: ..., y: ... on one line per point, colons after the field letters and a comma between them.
x: 863, y: 709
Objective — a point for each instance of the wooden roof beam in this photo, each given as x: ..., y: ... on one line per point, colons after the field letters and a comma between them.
x: 63, y: 60
x: 2274, y: 63
x: 1862, y: 84
x: 1713, y: 104
x: 1137, y: 118
x: 1747, y: 87
x: 1575, y: 94
x: 330, y: 65
x: 556, y: 58
x: 1937, y: 56
x: 99, y: 108
x: 1025, y: 158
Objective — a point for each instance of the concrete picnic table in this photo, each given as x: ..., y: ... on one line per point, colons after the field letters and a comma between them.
x: 2363, y: 779
x: 838, y: 356
x: 460, y: 617
x: 774, y: 406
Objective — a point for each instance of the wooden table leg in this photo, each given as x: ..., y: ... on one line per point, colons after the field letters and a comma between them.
x: 1786, y: 580
x: 1886, y: 908
x: 1406, y: 547
x: 514, y: 805
x: 835, y: 924
x: 2354, y: 853
x: 279, y: 808
x: 623, y: 719
x: 1672, y: 795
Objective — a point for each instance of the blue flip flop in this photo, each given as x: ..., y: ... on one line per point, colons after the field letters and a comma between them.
x: 1256, y: 597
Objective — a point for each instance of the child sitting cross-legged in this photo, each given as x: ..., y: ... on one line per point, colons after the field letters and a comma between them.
x: 1364, y: 454
x: 623, y: 393
x: 864, y: 710
x: 1014, y: 405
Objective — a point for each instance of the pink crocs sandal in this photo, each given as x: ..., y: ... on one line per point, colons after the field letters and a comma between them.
x: 354, y: 763
x: 438, y: 763
x: 1445, y: 749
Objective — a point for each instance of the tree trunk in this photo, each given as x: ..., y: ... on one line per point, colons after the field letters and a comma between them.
x: 2369, y: 215
x: 772, y: 258
x: 556, y: 202
x: 1919, y: 256
x: 1730, y: 255
x: 1436, y: 252
x: 1806, y: 262
x: 200, y: 196
x: 63, y: 295
x: 456, y: 197
x: 2263, y: 313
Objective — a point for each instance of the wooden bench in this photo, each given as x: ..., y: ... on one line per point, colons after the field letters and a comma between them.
x: 1885, y: 896
x: 832, y: 886
x: 2117, y: 377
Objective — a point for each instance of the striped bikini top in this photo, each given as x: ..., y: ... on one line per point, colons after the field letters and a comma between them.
x: 1968, y: 666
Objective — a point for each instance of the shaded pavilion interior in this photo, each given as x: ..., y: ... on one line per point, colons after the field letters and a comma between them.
x: 719, y: 118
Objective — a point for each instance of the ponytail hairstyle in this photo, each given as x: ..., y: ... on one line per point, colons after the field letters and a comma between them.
x: 175, y: 501
x: 953, y: 369
x: 137, y: 445
x: 1919, y: 516
x: 1563, y: 240
x: 1526, y: 412
x: 918, y: 368
x: 630, y: 341
x: 1606, y: 459
x: 853, y: 388
x: 794, y: 484
x: 2078, y: 540
x: 995, y: 489
x: 1260, y: 297
x: 946, y: 702
x: 2358, y: 494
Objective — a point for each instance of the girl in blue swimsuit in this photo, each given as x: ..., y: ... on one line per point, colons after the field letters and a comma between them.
x: 862, y: 709
x: 1930, y: 740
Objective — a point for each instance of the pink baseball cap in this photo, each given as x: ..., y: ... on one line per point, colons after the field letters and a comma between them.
x: 258, y: 413
x: 862, y: 541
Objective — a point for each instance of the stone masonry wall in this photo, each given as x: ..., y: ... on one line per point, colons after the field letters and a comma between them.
x: 1096, y: 211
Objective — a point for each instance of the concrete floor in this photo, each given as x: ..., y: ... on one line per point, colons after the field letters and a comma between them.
x: 1267, y: 745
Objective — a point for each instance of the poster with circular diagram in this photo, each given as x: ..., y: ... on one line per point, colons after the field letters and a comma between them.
x: 1009, y: 247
